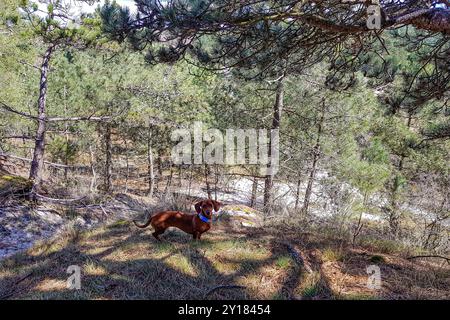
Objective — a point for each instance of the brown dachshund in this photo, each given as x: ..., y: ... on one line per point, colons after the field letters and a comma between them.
x: 194, y: 224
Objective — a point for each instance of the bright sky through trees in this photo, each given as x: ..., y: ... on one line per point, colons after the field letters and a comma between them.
x: 84, y: 7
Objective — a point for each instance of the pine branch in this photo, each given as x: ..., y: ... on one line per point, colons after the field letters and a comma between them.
x: 5, y: 107
x: 84, y: 118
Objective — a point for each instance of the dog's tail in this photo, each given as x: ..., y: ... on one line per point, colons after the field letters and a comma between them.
x: 145, y: 225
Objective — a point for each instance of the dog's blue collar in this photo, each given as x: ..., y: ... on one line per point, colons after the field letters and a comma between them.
x: 203, y: 218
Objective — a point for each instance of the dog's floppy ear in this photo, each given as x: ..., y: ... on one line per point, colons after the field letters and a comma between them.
x: 216, y: 205
x: 198, y: 206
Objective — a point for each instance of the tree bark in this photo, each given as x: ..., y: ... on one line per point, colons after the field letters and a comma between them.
x: 150, y: 166
x: 394, y: 215
x: 254, y: 192
x: 276, y: 120
x: 359, y: 225
x: 216, y: 181
x: 66, y: 158
x: 208, y: 186
x: 169, y: 181
x: 316, y: 155
x: 159, y: 169
x: 159, y: 165
x: 180, y: 176
x: 37, y: 163
x: 92, y: 186
x: 107, y: 184
x: 191, y: 176
x: 297, y: 194
x: 127, y: 163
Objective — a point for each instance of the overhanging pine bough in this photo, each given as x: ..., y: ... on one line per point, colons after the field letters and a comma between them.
x: 245, y: 27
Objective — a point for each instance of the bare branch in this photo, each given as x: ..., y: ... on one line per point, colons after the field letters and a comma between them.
x: 58, y: 201
x: 222, y: 287
x: 5, y: 107
x: 86, y: 118
x: 50, y: 164
x: 430, y: 256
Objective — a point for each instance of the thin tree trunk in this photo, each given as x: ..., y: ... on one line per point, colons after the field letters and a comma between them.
x: 159, y: 165
x: 66, y: 158
x: 394, y: 216
x: 180, y: 176
x: 276, y: 120
x: 316, y: 155
x: 169, y: 181
x: 254, y: 192
x: 24, y: 144
x: 359, y: 225
x: 107, y: 184
x: 37, y: 163
x: 191, y: 176
x: 150, y: 167
x: 150, y: 173
x: 92, y: 186
x: 208, y: 187
x: 66, y: 163
x: 127, y: 162
x: 297, y: 193
x: 159, y: 170
x: 216, y: 181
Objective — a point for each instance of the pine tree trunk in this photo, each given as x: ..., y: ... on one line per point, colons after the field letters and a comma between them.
x: 159, y: 165
x: 297, y: 194
x: 37, y: 163
x: 208, y: 187
x: 159, y: 170
x: 254, y: 192
x: 92, y: 186
x: 359, y: 225
x: 150, y: 169
x: 107, y: 184
x: 180, y: 176
x: 66, y: 135
x: 127, y: 163
x: 150, y: 164
x: 316, y: 155
x: 394, y: 216
x: 191, y: 176
x: 169, y: 182
x: 276, y: 120
x: 216, y: 181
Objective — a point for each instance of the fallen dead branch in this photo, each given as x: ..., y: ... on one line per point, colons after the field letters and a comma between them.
x: 222, y: 287
x: 103, y: 210
x: 15, y: 291
x: 23, y: 278
x: 50, y: 164
x: 59, y: 201
x: 430, y: 256
x: 297, y: 256
x: 8, y: 295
